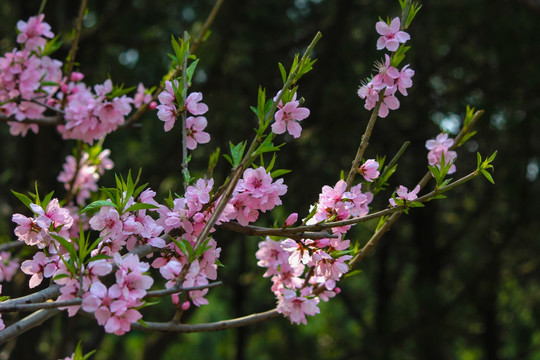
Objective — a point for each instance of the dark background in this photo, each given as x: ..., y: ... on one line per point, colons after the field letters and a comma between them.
x: 455, y: 280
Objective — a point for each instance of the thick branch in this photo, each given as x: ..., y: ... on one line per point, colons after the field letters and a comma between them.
x: 215, y: 326
x: 29, y: 322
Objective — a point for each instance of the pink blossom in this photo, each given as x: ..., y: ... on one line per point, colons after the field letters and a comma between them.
x: 141, y: 97
x: 389, y: 102
x: 369, y: 170
x: 53, y: 215
x: 391, y: 35
x: 403, y: 193
x: 403, y: 82
x: 297, y: 307
x: 441, y: 147
x: 34, y: 32
x: 387, y: 75
x: 195, y: 133
x: 2, y: 325
x: 28, y: 230
x: 8, y: 266
x: 368, y: 92
x: 39, y: 267
x: 193, y: 104
x: 287, y: 118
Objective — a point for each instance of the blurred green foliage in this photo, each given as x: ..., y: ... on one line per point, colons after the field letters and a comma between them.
x: 455, y: 280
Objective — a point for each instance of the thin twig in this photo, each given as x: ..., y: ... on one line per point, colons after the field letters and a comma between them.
x: 253, y: 230
x: 75, y: 44
x: 364, y: 142
x: 144, y: 107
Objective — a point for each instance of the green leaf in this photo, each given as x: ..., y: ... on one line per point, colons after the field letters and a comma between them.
x: 488, y: 176
x: 177, y: 50
x: 66, y: 245
x: 283, y: 73
x: 279, y: 172
x: 440, y: 196
x: 228, y: 158
x: 237, y: 151
x: 49, y: 83
x: 190, y: 70
x: 97, y: 257
x: 141, y: 321
x: 466, y: 138
x: 141, y: 206
x: 353, y: 273
x: 60, y: 276
x: 47, y: 199
x: 492, y: 157
x: 51, y: 46
x: 415, y: 204
x: 23, y: 198
x: 478, y: 160
x: 271, y: 165
x: 96, y: 205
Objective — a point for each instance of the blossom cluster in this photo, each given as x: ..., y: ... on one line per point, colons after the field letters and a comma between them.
x: 31, y: 82
x: 81, y: 179
x: 306, y: 271
x: 27, y: 77
x: 383, y: 87
x: 169, y: 110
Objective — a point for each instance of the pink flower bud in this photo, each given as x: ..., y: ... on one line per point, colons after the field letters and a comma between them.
x: 291, y: 220
x: 152, y: 105
x: 76, y: 76
x: 64, y: 88
x: 186, y: 305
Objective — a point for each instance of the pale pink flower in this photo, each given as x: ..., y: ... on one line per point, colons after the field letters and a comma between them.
x: 39, y: 267
x: 141, y: 97
x: 8, y: 266
x: 370, y: 94
x: 441, y: 147
x: 195, y: 133
x: 287, y: 118
x: 369, y: 170
x: 404, y: 194
x: 389, y: 102
x: 403, y: 82
x: 391, y: 35
x: 34, y: 32
x: 193, y: 104
x: 387, y: 75
x: 297, y: 307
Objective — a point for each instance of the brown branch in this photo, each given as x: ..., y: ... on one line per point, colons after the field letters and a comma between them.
x: 46, y: 120
x: 15, y: 307
x: 29, y: 322
x: 364, y: 142
x: 15, y: 244
x: 206, y: 327
x: 74, y: 46
x: 253, y: 230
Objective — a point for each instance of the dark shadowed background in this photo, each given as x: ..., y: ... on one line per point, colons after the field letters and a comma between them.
x: 455, y: 280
